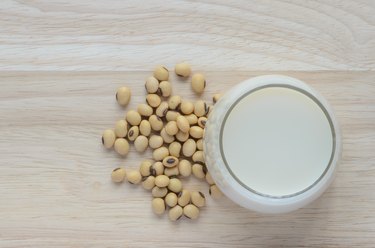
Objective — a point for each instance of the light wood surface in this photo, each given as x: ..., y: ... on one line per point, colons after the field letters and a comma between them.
x: 61, y: 62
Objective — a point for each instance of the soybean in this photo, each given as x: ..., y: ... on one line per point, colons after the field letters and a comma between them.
x: 216, y: 98
x: 160, y: 153
x: 161, y: 73
x: 175, y: 185
x: 133, y: 133
x: 198, y: 157
x: 189, y: 147
x: 171, y: 199
x: 171, y: 128
x: 191, y: 211
x: 159, y: 192
x: 165, y: 88
x: 121, y: 146
x: 141, y: 143
x: 198, y: 83
x: 157, y: 169
x: 134, y: 177
x: 166, y: 137
x: 151, y: 85
x: 162, y: 110
x: 155, y: 122
x: 162, y: 181
x: 215, y: 192
x: 108, y: 138
x: 183, y: 198
x: 199, y: 171
x: 198, y: 199
x: 123, y: 96
x: 202, y: 122
x: 158, y: 206
x: 186, y: 107
x: 144, y: 168
x: 175, y: 149
x: 121, y: 128
x: 145, y: 110
x: 181, y: 136
x: 196, y: 132
x: 200, y: 144
x: 184, y: 168
x: 155, y: 141
x: 200, y: 108
x: 133, y: 117
x: 192, y: 119
x: 148, y: 182
x: 118, y: 175
x: 153, y: 100
x: 172, y: 115
x: 175, y: 213
x: 170, y: 161
x: 174, y: 102
x: 171, y: 171
x: 183, y: 124
x: 182, y: 69
x: 145, y: 128
x: 209, y: 179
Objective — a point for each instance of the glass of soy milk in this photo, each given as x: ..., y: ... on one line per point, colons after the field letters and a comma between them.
x: 272, y: 144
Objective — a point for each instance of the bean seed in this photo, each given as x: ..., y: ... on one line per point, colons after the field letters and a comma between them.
x: 209, y: 179
x: 202, y: 121
x: 198, y: 171
x: 198, y: 83
x: 183, y: 198
x: 158, y: 206
x: 148, y: 182
x: 170, y: 161
x: 122, y: 146
x: 210, y: 108
x: 175, y: 213
x: 118, y: 175
x: 133, y: 133
x: 133, y: 117
x: 123, y: 96
x: 153, y: 100
x: 192, y: 119
x: 141, y: 143
x: 181, y: 136
x: 155, y: 141
x: 161, y: 73
x: 121, y: 128
x: 155, y: 122
x: 162, y: 181
x: 166, y: 137
x: 151, y: 85
x: 182, y: 69
x: 174, y: 102
x: 144, y: 110
x: 171, y: 128
x: 198, y: 157
x: 144, y: 168
x: 159, y: 192
x: 171, y: 171
x: 191, y: 211
x: 215, y: 192
x: 145, y: 128
x: 175, y: 149
x: 157, y: 169
x: 196, y: 132
x: 108, y: 138
x: 134, y: 177
x: 162, y: 110
x: 171, y: 199
x: 184, y: 168
x: 200, y: 108
x: 165, y: 88
x: 189, y: 147
x: 175, y: 185
x: 183, y: 124
x: 160, y: 153
x: 172, y: 115
x: 216, y: 98
x: 200, y: 144
x: 198, y: 199
x: 186, y: 107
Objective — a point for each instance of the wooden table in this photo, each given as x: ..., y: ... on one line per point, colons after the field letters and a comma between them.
x: 61, y: 62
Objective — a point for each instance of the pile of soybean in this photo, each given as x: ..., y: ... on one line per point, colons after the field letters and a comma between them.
x: 173, y: 127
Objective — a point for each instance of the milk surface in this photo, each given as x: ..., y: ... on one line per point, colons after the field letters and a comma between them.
x: 277, y: 141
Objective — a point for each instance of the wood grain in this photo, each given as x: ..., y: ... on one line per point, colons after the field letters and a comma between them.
x: 55, y: 183
x: 212, y: 35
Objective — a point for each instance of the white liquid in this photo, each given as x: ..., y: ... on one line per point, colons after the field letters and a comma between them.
x: 277, y: 141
